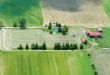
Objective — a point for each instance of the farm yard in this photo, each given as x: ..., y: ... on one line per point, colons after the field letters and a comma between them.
x: 103, y: 42
x: 45, y: 63
x: 101, y: 60
x: 13, y: 10
x: 85, y: 13
x: 15, y: 37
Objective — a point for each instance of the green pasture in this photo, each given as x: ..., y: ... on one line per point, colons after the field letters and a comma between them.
x: 46, y: 63
x: 13, y: 10
x: 106, y: 6
x: 105, y: 41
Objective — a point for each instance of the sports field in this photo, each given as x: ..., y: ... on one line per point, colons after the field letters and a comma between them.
x: 45, y: 63
x: 13, y: 10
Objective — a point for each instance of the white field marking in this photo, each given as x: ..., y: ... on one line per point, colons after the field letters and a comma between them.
x: 71, y: 67
x: 55, y: 65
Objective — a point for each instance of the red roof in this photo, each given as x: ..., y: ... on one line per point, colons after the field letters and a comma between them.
x: 91, y: 33
x: 95, y: 34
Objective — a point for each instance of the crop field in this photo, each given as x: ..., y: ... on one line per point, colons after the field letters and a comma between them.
x: 75, y: 12
x: 15, y: 37
x: 101, y: 59
x: 45, y: 63
x: 13, y: 10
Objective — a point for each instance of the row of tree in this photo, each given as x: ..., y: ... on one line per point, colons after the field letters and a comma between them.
x: 57, y: 46
x: 33, y: 47
x: 66, y: 46
x: 22, y: 23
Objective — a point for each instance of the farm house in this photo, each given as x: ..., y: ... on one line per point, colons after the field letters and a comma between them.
x: 93, y: 34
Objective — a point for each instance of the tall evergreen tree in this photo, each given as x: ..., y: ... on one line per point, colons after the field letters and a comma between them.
x: 71, y: 47
x: 20, y: 47
x: 67, y: 46
x: 27, y: 46
x: 44, y: 47
x: 22, y: 23
x: 75, y: 46
x: 81, y: 46
x: 58, y: 46
x: 36, y: 46
x: 14, y: 24
x: 33, y: 46
x: 50, y: 26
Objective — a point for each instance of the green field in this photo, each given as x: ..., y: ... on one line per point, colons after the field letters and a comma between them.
x: 106, y: 6
x: 105, y: 41
x: 13, y: 10
x: 46, y: 63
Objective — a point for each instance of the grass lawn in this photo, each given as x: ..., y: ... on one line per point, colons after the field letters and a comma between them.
x: 12, y: 10
x: 46, y: 63
x: 105, y: 41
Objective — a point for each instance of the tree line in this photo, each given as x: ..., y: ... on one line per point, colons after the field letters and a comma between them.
x: 22, y: 23
x: 32, y: 47
x: 66, y: 46
x: 57, y: 46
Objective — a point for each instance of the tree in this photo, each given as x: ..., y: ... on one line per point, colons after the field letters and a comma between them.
x: 33, y: 46
x: 22, y: 23
x: 44, y: 47
x: 20, y: 47
x: 71, y: 47
x: 81, y: 46
x: 51, y: 32
x: 63, y: 47
x: 50, y: 26
x: 27, y: 46
x: 57, y: 46
x: 36, y: 46
x: 67, y: 46
x: 66, y: 28
x: 75, y: 46
x: 14, y: 24
x: 1, y: 25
